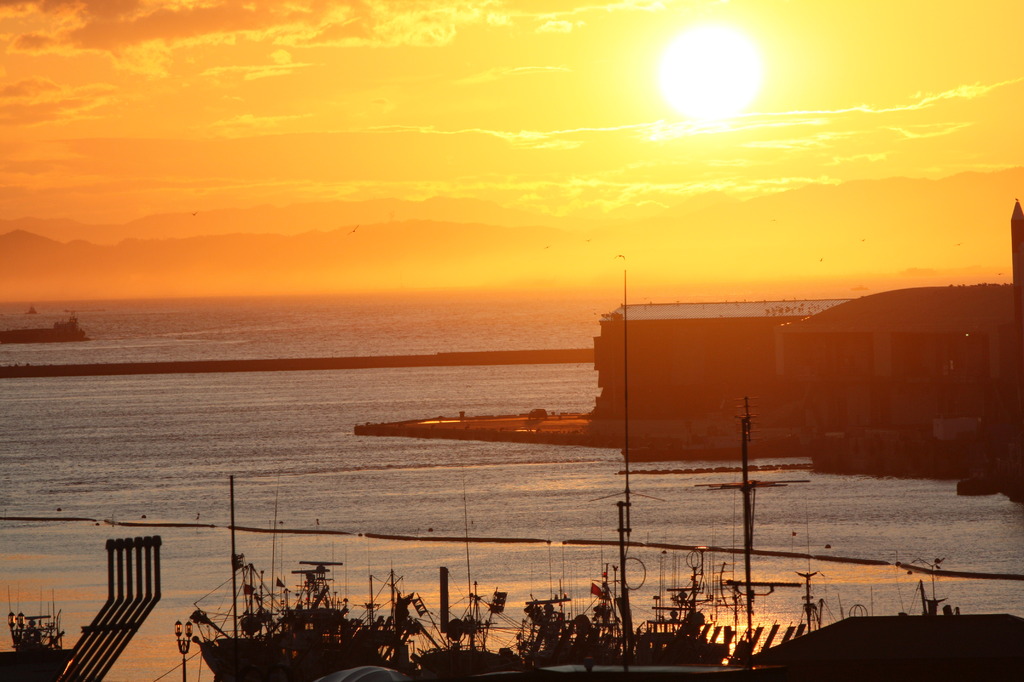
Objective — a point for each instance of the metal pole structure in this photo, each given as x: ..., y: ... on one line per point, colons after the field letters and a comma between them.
x: 809, y: 608
x: 234, y: 583
x: 624, y: 609
x: 748, y: 522
x: 624, y: 506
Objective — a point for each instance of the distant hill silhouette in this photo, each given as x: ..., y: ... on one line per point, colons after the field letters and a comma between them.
x: 293, y: 219
x: 845, y: 239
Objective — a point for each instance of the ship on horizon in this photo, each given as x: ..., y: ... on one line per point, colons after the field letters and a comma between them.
x: 62, y: 331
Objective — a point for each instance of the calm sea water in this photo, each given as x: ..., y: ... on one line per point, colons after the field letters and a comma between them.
x: 161, y: 448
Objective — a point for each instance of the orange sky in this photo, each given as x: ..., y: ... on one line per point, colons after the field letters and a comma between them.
x: 115, y: 109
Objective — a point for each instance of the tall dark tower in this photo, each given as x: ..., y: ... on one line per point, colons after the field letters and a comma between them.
x: 1017, y: 237
x: 1010, y: 472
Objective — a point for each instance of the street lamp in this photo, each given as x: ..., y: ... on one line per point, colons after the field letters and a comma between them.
x: 184, y: 642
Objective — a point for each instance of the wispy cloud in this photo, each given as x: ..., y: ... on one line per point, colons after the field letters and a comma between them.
x: 661, y: 131
x: 926, y: 130
x: 872, y: 158
x: 556, y: 26
x: 247, y: 124
x: 120, y: 28
x: 282, y: 65
x: 610, y: 7
x: 555, y: 139
x: 38, y: 100
x: 508, y: 72
x: 805, y: 142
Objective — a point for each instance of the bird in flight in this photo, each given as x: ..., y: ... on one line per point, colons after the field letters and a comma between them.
x: 354, y: 229
x: 620, y: 256
x: 195, y: 213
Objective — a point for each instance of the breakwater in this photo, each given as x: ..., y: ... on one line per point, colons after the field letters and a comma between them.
x: 462, y: 539
x: 454, y: 359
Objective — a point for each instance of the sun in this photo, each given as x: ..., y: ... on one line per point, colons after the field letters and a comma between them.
x: 710, y: 72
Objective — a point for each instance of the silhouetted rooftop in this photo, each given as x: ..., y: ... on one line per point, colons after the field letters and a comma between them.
x: 727, y: 309
x: 923, y: 309
x: 905, y: 638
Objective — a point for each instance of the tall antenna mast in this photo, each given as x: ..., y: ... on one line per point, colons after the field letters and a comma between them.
x: 465, y: 521
x: 748, y: 519
x: 625, y: 386
x: 235, y: 565
x: 624, y: 505
x: 748, y: 489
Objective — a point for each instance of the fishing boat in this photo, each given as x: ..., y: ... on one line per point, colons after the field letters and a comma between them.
x: 62, y: 331
x: 38, y: 652
x: 459, y: 647
x: 133, y: 584
x: 551, y: 636
x: 679, y: 632
x: 303, y: 634
x: 307, y: 633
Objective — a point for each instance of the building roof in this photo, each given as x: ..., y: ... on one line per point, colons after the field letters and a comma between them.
x: 896, y: 638
x: 924, y: 309
x: 728, y: 309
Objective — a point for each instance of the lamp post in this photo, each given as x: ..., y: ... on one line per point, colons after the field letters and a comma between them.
x: 184, y: 637
x: 17, y: 626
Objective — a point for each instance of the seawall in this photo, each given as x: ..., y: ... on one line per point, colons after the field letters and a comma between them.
x: 542, y: 427
x: 467, y: 358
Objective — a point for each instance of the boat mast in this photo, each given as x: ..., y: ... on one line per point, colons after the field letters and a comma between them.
x: 810, y: 609
x: 748, y: 522
x: 749, y: 489
x: 235, y: 562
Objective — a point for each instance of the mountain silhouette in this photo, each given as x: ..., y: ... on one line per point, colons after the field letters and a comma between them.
x: 817, y: 240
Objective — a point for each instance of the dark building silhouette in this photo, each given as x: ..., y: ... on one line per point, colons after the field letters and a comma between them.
x: 923, y: 381
x: 688, y: 364
x: 913, y: 381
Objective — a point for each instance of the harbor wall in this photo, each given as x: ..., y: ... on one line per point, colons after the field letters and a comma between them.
x: 503, y: 357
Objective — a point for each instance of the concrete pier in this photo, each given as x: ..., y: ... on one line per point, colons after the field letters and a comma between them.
x: 539, y: 426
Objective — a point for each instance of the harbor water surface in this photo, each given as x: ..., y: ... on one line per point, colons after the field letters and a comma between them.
x: 160, y: 449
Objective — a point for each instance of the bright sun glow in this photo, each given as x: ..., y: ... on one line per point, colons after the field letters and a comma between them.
x: 710, y: 72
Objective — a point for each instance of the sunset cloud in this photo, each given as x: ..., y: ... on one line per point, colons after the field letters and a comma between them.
x: 281, y: 66
x: 551, y: 105
x: 247, y: 124
x: 556, y: 27
x: 510, y: 71
x: 37, y: 100
x: 661, y: 130
x: 116, y: 27
x: 925, y: 130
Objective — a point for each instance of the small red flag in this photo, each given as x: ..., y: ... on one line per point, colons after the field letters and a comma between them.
x: 595, y: 590
x: 247, y: 589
